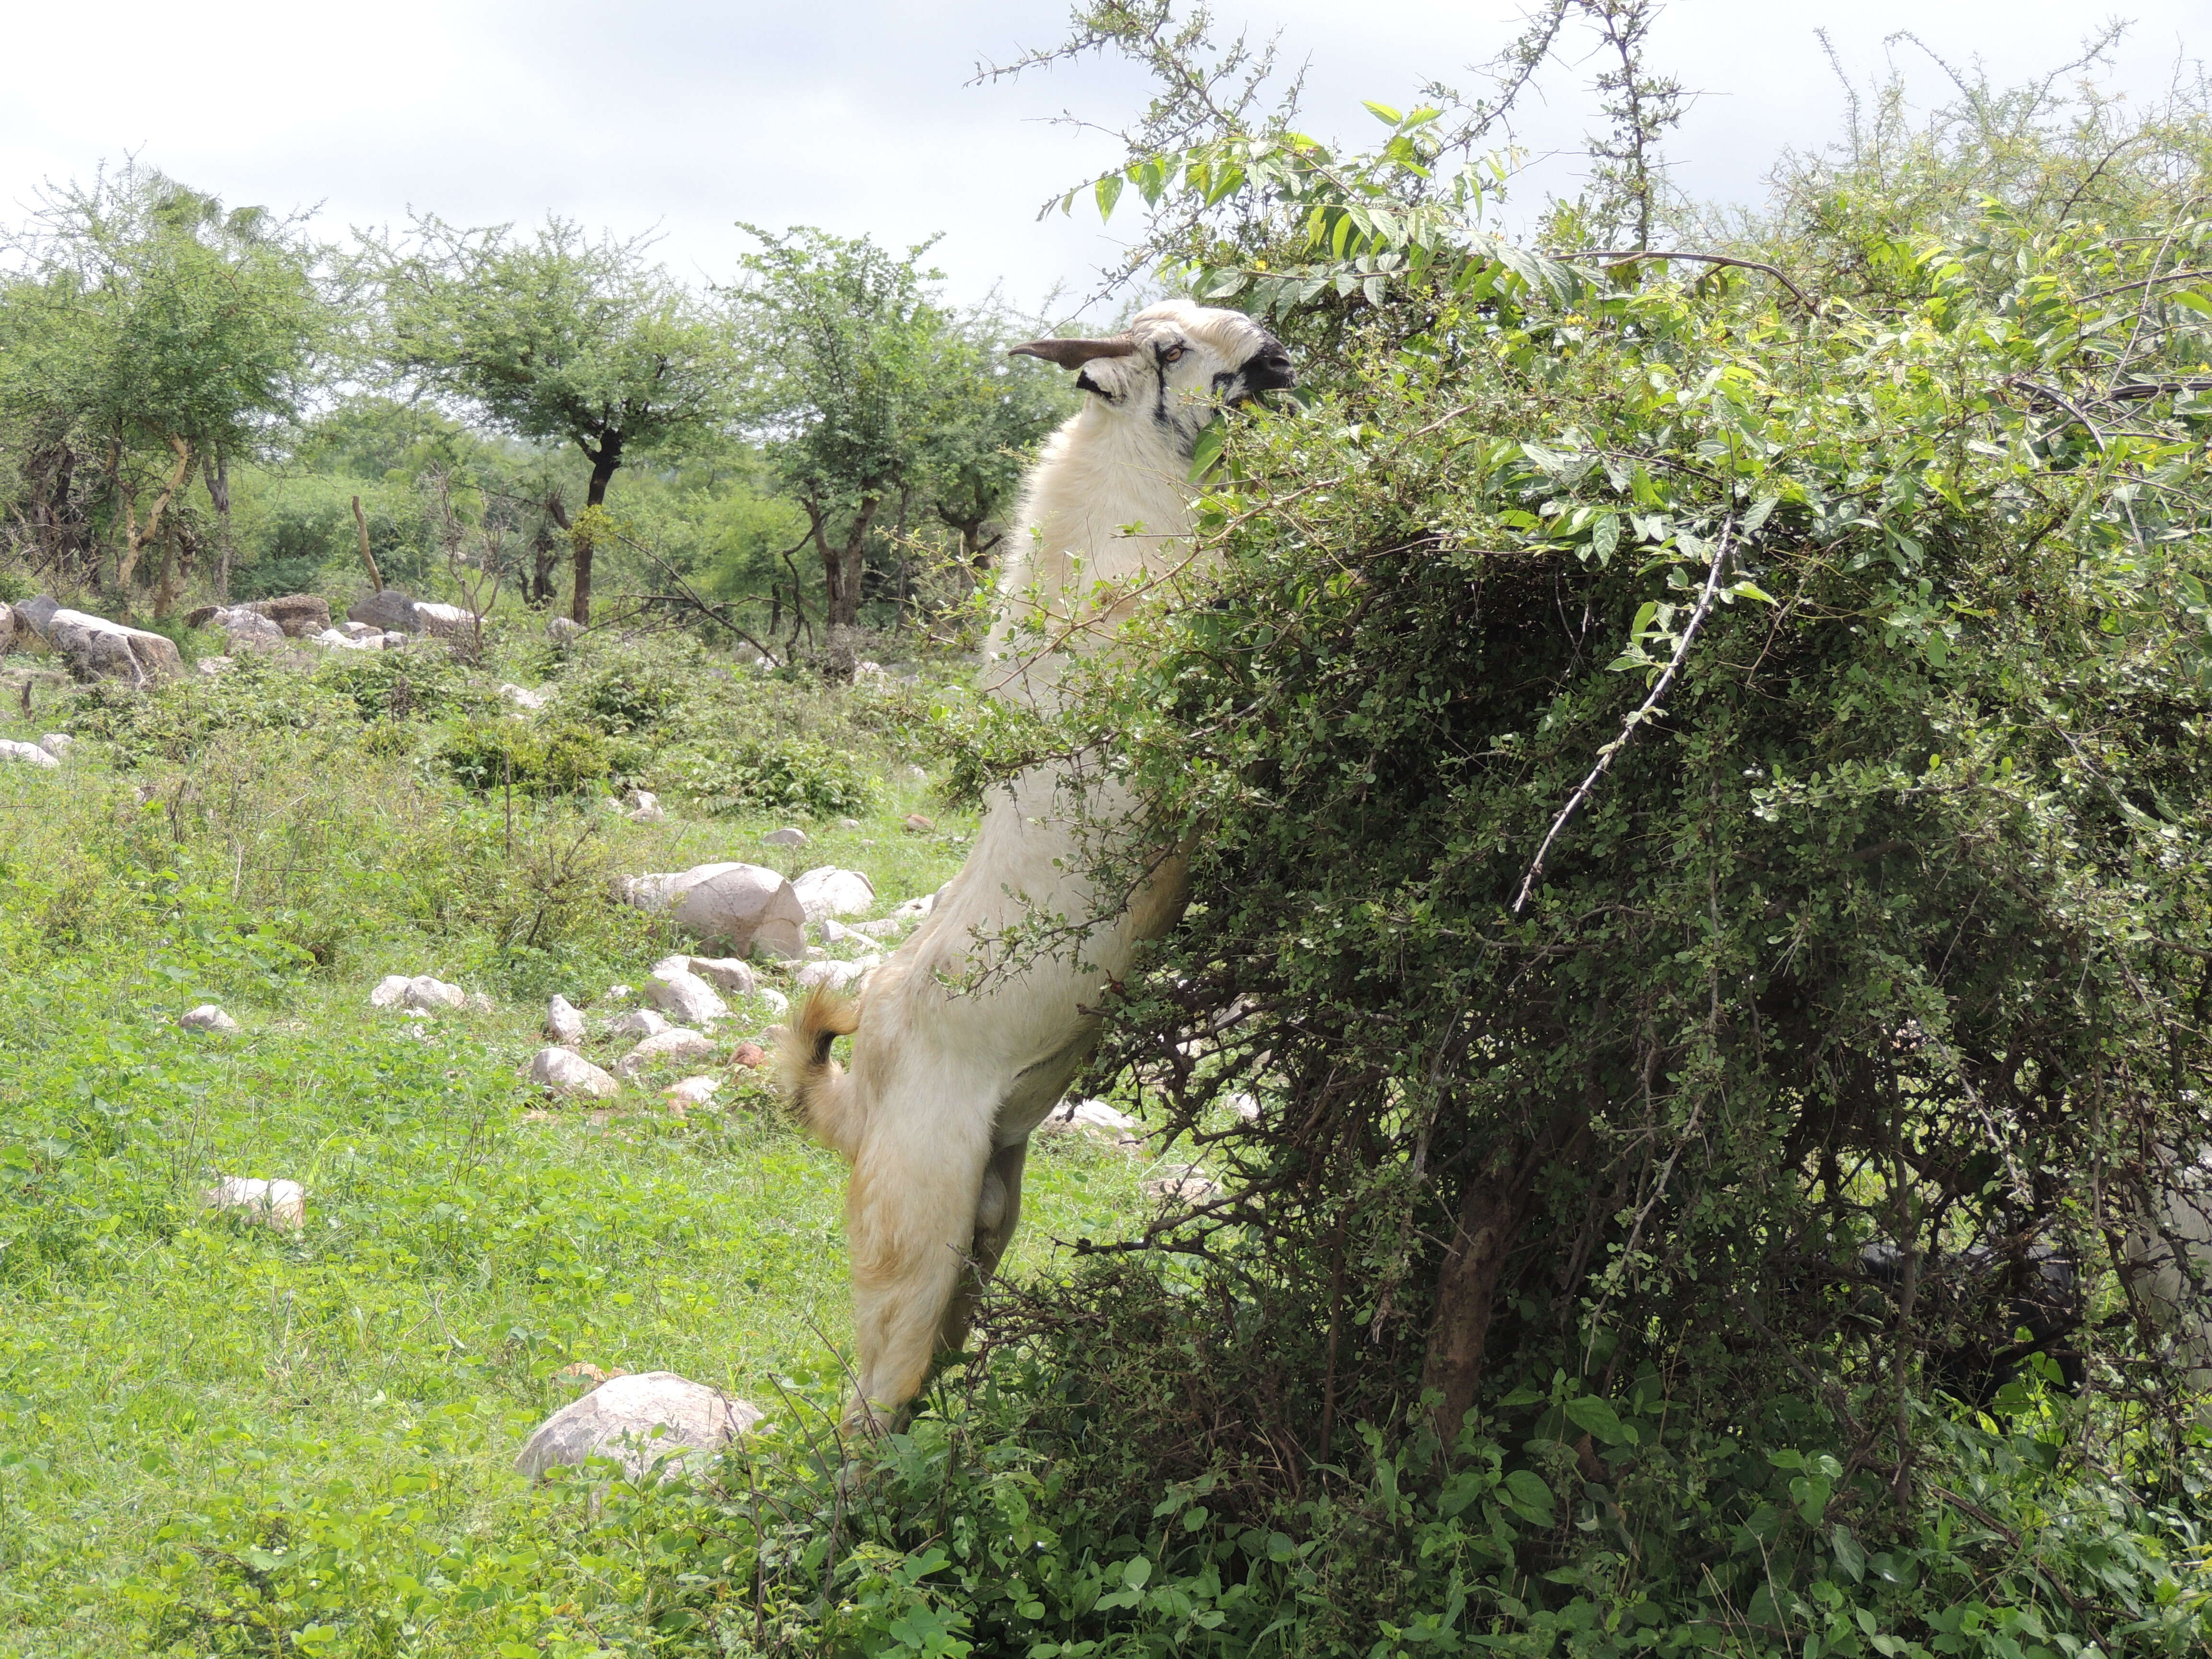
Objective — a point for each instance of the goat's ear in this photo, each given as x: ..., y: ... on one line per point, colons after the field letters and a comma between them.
x: 1073, y: 353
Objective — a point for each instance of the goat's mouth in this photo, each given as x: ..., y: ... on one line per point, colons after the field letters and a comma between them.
x: 1268, y: 370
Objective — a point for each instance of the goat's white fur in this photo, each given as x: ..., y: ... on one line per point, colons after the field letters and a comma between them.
x: 947, y: 1083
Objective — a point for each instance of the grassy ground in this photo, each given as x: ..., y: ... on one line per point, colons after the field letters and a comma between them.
x: 218, y: 1438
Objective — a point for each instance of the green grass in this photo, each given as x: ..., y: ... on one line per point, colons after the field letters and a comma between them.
x: 215, y: 1438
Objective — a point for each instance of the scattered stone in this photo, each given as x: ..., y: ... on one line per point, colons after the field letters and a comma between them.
x: 618, y: 994
x: 563, y: 1024
x: 776, y: 1002
x: 214, y: 666
x: 919, y: 825
x: 889, y: 927
x: 750, y: 1055
x: 676, y: 1043
x: 1092, y: 1117
x: 646, y: 808
x: 1247, y: 1106
x: 568, y: 1073
x: 639, y: 1420
x: 299, y: 616
x: 914, y: 909
x: 848, y: 824
x: 444, y: 622
x: 421, y: 995
x: 752, y: 910
x: 640, y: 1023
x: 1187, y: 1187
x: 57, y: 744
x: 836, y: 932
x: 264, y: 1203
x: 97, y: 648
x: 480, y: 1002
x: 582, y: 1370
x: 521, y: 697
x: 686, y: 997
x: 207, y: 1017
x: 789, y: 836
x: 816, y: 953
x: 564, y: 630
x: 337, y: 641
x: 725, y: 974
x: 692, y: 1092
x: 829, y: 892
x: 360, y: 631
x: 246, y: 629
x: 387, y: 608
x: 838, y: 975
x: 29, y: 753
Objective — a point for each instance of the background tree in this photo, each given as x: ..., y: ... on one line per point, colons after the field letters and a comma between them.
x: 559, y: 338
x: 153, y: 333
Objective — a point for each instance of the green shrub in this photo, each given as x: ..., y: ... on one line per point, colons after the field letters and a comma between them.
x: 792, y: 775
x: 488, y: 754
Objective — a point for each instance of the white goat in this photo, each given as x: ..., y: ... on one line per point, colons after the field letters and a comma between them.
x: 946, y: 1082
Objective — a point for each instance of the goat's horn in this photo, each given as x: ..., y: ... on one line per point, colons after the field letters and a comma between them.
x: 1073, y: 353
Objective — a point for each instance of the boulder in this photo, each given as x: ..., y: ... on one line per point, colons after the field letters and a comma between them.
x: 444, y: 622
x: 725, y: 974
x: 685, y: 997
x: 388, y: 609
x: 1093, y: 1117
x: 7, y: 626
x: 520, y: 696
x: 642, y: 1023
x: 776, y: 1002
x: 848, y: 824
x: 363, y: 632
x: 57, y: 744
x: 562, y: 1023
x: 565, y: 1071
x: 679, y: 1043
x: 29, y: 753
x: 790, y: 836
x: 829, y: 892
x: 914, y: 909
x: 645, y: 807
x: 564, y: 630
x: 750, y: 1055
x: 207, y: 1017
x: 838, y: 975
x: 639, y: 1420
x: 919, y: 825
x: 211, y: 666
x: 331, y: 638
x: 889, y: 927
x: 96, y: 648
x: 421, y: 995
x: 659, y: 893
x: 749, y: 910
x: 246, y: 629
x: 692, y: 1092
x: 1247, y: 1106
x: 617, y: 993
x: 297, y: 614
x: 264, y: 1203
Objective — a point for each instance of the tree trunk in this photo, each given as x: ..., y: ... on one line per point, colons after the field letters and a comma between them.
x: 841, y: 576
x: 604, y: 462
x: 1491, y: 1218
x: 135, y: 535
x: 217, y: 479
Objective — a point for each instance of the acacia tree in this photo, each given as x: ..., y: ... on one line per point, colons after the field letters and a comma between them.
x: 152, y: 334
x: 559, y: 338
x: 873, y: 401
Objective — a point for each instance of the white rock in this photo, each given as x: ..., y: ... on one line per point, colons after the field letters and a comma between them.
x: 914, y: 909
x: 29, y: 753
x: 692, y: 1092
x: 98, y: 648
x: 57, y: 744
x: 421, y: 995
x: 789, y: 836
x: 265, y: 1203
x: 776, y: 1002
x: 725, y: 974
x: 618, y: 994
x: 207, y: 1017
x: 337, y: 641
x: 749, y: 910
x: 563, y: 630
x: 640, y: 1023
x: 562, y: 1023
x: 445, y: 622
x: 362, y: 630
x: 848, y: 824
x: 646, y: 807
x: 519, y: 696
x: 829, y: 892
x: 677, y: 1044
x: 1247, y: 1106
x: 570, y: 1074
x: 836, y: 932
x: 214, y: 666
x: 838, y: 975
x: 480, y: 1002
x: 619, y: 1419
x: 247, y: 630
x: 1095, y: 1116
x: 889, y: 927
x: 685, y: 997
x: 1186, y: 1186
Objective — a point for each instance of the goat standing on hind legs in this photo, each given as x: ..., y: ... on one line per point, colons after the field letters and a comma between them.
x: 947, y: 1084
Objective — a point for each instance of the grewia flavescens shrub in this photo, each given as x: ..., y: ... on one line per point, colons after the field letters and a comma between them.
x: 1696, y: 791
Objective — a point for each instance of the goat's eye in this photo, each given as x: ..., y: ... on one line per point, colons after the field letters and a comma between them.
x: 1174, y: 355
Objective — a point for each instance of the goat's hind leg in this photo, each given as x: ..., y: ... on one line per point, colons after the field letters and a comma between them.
x: 998, y: 1211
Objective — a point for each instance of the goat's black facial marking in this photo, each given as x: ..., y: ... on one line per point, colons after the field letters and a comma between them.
x: 1268, y: 370
x: 1085, y: 383
x: 1224, y: 380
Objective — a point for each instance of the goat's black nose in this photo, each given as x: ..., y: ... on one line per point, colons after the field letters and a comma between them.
x: 1269, y: 369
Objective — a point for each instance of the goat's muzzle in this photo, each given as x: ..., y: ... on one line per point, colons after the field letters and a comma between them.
x: 1268, y: 370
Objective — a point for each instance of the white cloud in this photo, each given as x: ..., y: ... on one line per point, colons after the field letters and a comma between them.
x: 691, y: 116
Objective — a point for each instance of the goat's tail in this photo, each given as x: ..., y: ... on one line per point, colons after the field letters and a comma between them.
x: 816, y: 1086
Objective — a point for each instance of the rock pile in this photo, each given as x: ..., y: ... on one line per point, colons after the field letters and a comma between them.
x: 423, y: 994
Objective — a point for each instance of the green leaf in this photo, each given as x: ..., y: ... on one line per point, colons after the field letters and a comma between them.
x: 1385, y: 114
x: 1849, y: 1555
x: 1527, y: 1496
x: 1109, y: 192
x: 1605, y: 536
x: 1207, y: 450
x: 1596, y: 1416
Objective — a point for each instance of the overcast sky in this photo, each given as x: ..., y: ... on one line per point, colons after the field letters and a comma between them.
x: 855, y: 116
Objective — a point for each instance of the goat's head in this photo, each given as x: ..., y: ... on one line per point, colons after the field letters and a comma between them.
x: 1176, y: 365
